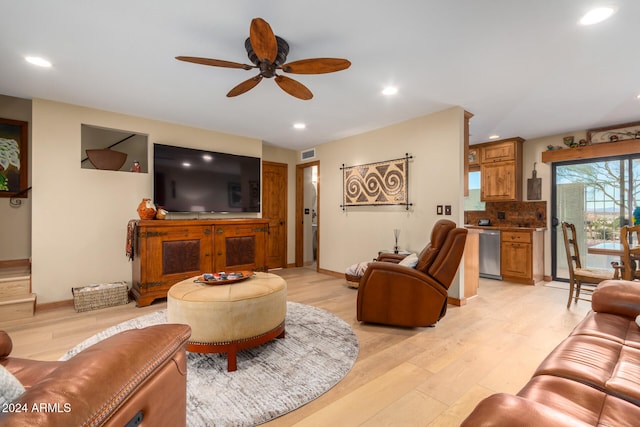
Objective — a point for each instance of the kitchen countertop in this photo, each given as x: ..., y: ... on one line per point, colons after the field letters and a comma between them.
x: 504, y: 228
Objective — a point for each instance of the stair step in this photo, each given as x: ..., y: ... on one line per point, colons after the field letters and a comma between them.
x: 15, y: 268
x: 17, y: 308
x: 15, y: 287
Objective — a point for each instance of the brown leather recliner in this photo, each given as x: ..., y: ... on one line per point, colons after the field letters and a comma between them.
x: 394, y: 294
x: 140, y: 373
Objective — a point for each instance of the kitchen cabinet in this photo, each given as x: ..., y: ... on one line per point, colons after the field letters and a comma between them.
x: 169, y: 251
x: 501, y: 170
x: 522, y: 256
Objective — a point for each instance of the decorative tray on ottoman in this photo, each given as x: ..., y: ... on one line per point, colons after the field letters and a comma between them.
x: 223, y: 278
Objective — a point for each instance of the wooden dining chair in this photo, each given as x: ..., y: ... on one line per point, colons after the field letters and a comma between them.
x: 581, y: 279
x: 629, y: 236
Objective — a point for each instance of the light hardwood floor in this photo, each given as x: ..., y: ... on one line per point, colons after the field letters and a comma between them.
x: 402, y: 377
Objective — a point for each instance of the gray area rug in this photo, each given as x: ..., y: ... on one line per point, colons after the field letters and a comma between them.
x: 271, y: 380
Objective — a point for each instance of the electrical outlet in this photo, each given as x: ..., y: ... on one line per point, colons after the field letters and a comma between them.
x: 447, y: 209
x: 439, y: 210
x: 501, y: 215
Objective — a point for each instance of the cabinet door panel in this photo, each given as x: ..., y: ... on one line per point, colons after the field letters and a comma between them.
x: 498, y: 181
x: 180, y: 256
x: 240, y: 247
x: 176, y: 253
x: 499, y: 152
x: 515, y: 260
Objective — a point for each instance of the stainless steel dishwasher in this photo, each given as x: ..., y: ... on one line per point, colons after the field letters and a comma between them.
x: 490, y: 254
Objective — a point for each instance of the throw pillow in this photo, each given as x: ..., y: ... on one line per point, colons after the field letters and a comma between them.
x: 410, y: 261
x: 10, y: 387
x: 357, y: 269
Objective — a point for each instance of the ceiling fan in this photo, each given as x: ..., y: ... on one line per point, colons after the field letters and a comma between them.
x: 268, y: 53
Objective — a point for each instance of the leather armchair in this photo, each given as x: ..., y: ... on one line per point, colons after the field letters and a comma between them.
x: 140, y: 373
x: 393, y: 294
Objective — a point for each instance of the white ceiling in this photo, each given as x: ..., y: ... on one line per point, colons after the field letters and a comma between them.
x: 522, y: 67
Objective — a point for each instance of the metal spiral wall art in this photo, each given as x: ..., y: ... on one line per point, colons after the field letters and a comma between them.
x: 376, y: 184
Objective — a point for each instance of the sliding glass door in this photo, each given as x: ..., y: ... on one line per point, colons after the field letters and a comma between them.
x: 598, y: 196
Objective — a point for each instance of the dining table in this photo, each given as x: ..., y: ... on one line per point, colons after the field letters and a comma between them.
x: 607, y: 248
x: 613, y: 249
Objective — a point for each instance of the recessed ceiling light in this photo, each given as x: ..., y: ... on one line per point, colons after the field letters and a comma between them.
x: 494, y: 136
x: 40, y: 62
x: 390, y: 90
x: 186, y: 164
x: 596, y: 15
x: 299, y: 125
x: 207, y: 157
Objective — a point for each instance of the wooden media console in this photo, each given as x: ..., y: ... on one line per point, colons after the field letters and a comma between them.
x: 169, y: 251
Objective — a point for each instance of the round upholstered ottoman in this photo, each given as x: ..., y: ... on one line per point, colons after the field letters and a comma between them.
x: 229, y: 318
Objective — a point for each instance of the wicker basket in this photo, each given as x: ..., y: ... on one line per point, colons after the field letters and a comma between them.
x: 92, y: 297
x: 352, y: 281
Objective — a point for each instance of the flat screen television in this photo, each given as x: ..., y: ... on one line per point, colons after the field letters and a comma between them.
x: 191, y: 180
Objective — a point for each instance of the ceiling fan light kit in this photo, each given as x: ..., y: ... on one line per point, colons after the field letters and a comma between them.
x: 268, y: 53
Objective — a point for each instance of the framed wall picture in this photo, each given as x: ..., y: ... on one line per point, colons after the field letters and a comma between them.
x: 14, y: 148
x: 614, y: 133
x: 375, y: 184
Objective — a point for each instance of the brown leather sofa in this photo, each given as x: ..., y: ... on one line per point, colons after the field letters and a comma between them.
x: 397, y: 295
x: 135, y: 375
x: 592, y: 378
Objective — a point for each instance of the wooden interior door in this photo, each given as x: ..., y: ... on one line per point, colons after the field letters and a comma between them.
x: 274, y: 208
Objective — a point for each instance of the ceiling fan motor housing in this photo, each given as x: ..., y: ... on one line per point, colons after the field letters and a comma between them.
x: 281, y: 57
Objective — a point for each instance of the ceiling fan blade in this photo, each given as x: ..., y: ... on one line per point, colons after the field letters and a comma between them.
x: 245, y: 86
x: 214, y: 62
x: 316, y: 66
x: 294, y: 88
x: 263, y: 40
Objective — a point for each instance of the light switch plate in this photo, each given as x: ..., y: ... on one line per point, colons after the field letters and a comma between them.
x: 439, y: 210
x: 447, y: 209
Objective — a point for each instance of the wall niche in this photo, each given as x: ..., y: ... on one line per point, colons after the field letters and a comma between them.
x: 113, y: 149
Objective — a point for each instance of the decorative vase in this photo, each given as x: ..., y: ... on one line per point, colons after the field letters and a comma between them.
x: 146, y: 209
x: 161, y: 214
x: 396, y: 234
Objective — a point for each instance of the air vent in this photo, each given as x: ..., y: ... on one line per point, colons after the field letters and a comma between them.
x: 308, y: 154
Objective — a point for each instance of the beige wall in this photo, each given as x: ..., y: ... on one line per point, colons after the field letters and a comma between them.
x: 15, y: 226
x: 79, y: 216
x: 435, y: 178
x: 73, y: 223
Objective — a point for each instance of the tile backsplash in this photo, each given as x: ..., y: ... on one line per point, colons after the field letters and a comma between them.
x: 511, y: 214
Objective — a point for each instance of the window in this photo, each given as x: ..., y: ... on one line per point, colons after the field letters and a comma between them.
x: 598, y: 196
x: 472, y: 201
